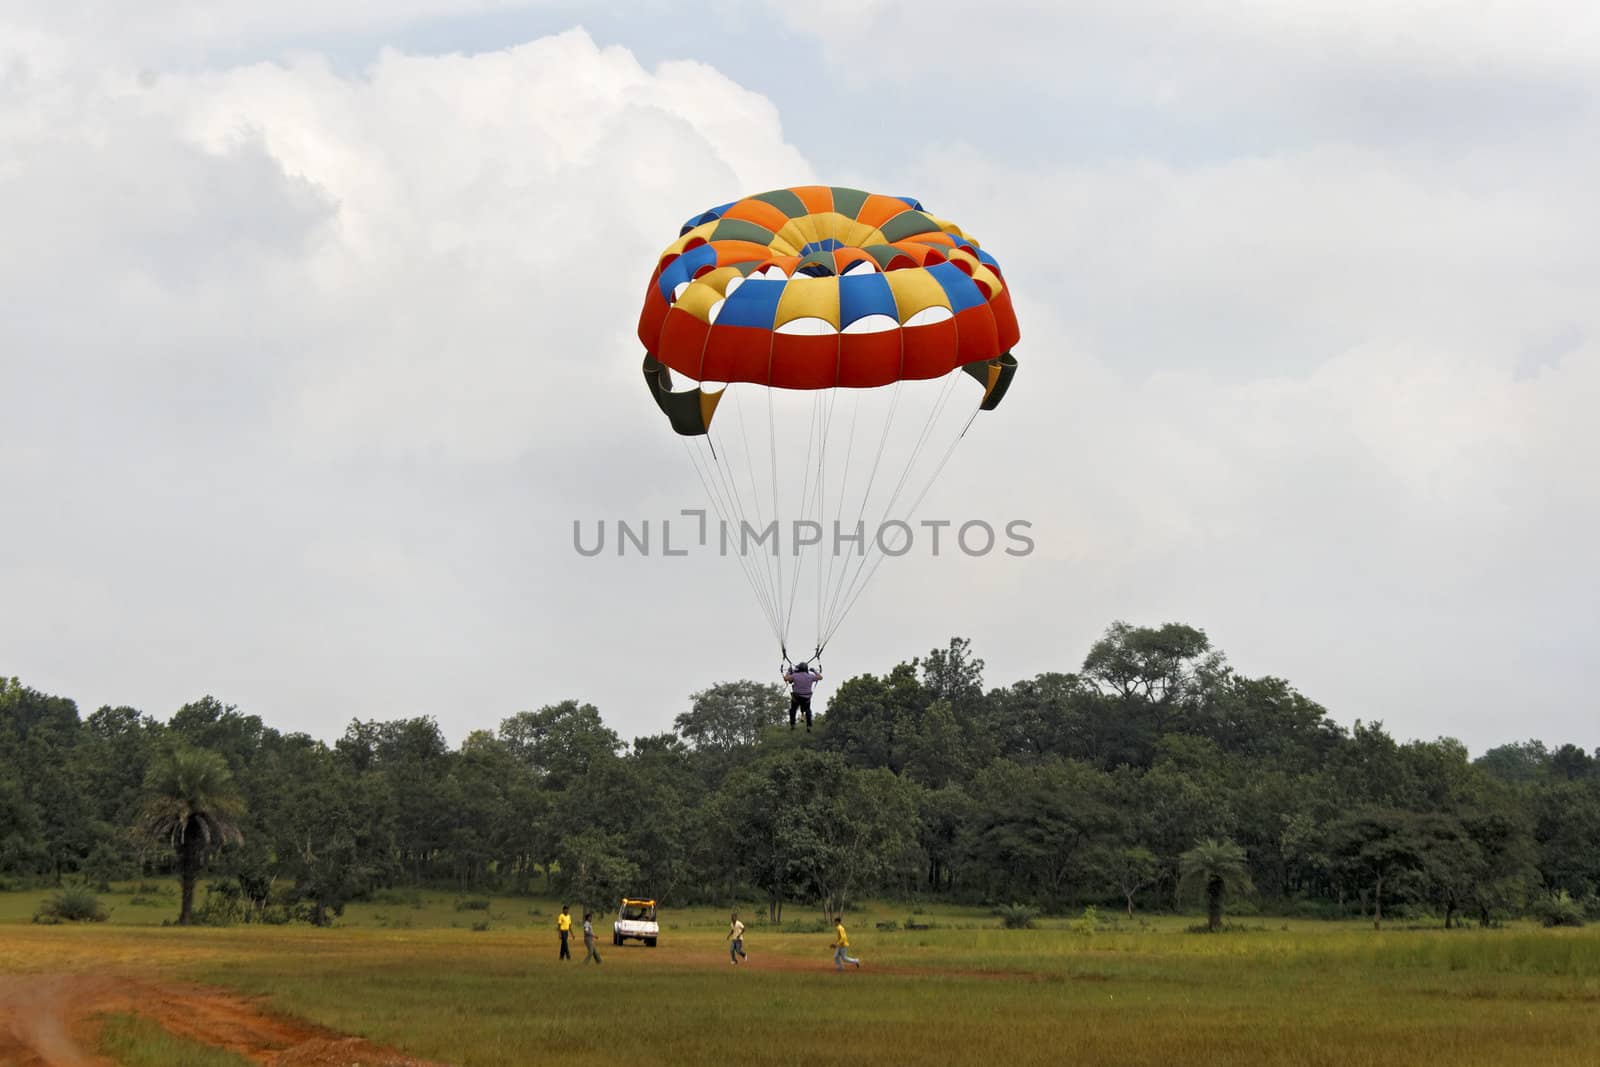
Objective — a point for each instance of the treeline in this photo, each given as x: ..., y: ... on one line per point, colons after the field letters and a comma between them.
x: 1057, y: 791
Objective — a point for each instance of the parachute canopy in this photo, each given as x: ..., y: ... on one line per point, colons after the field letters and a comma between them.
x: 844, y: 315
x: 818, y: 287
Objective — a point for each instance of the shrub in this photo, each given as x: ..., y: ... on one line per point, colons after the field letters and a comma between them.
x: 1017, y: 916
x: 472, y: 904
x: 481, y: 925
x: 397, y: 898
x: 1088, y: 922
x: 888, y: 924
x: 1558, y: 909
x: 224, y: 905
x: 105, y: 865
x: 1225, y: 928
x: 277, y: 915
x: 71, y: 904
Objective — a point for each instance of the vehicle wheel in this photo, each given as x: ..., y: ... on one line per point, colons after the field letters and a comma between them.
x: 616, y: 939
x: 649, y: 942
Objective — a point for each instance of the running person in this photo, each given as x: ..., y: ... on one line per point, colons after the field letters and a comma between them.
x: 841, y: 945
x: 736, y: 936
x: 801, y: 680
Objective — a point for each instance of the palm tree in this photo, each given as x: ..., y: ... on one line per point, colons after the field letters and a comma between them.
x: 1218, y: 868
x: 191, y: 804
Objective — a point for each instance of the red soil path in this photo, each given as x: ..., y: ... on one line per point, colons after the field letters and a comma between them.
x: 49, y: 1020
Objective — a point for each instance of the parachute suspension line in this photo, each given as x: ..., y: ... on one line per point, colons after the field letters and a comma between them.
x: 732, y: 493
x: 724, y: 509
x: 872, y: 476
x: 844, y: 482
x: 849, y: 583
x: 734, y: 508
x: 915, y: 504
x: 817, y: 497
x: 723, y: 512
x: 774, y: 591
x: 777, y: 513
x: 864, y: 572
x: 916, y: 451
x: 822, y: 474
x: 801, y: 507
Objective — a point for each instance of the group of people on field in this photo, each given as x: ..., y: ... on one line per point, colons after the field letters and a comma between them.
x: 735, y: 938
x: 564, y: 927
x: 840, y: 946
x: 802, y: 679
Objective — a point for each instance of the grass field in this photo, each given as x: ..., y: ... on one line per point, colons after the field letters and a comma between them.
x: 414, y: 975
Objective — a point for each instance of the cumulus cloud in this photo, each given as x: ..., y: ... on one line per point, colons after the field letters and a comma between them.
x: 268, y: 319
x: 317, y: 365
x: 1309, y: 341
x: 183, y: 30
x: 1327, y: 404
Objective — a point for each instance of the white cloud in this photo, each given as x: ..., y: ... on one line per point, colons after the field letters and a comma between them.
x: 318, y: 366
x: 269, y: 321
x: 158, y: 30
x: 1290, y: 398
x: 465, y: 226
x: 1156, y: 76
x: 1425, y: 36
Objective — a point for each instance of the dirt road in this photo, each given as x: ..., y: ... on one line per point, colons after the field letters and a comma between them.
x: 49, y: 1020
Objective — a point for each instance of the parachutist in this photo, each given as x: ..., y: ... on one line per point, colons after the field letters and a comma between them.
x: 801, y: 680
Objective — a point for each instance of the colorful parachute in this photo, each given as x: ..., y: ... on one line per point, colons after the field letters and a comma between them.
x: 812, y: 292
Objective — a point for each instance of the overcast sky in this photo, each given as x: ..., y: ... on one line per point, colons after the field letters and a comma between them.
x: 316, y: 336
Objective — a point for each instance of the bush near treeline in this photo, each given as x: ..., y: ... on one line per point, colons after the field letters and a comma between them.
x: 1079, y: 787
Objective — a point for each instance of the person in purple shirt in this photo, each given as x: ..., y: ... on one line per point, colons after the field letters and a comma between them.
x: 801, y: 680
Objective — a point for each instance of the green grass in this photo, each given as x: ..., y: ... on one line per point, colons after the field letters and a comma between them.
x: 1144, y: 998
x: 966, y: 992
x: 135, y: 1042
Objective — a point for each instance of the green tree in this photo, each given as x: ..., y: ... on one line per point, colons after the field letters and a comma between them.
x: 1158, y: 664
x: 1518, y: 763
x: 560, y: 742
x: 871, y: 720
x: 730, y: 716
x: 953, y: 673
x: 1128, y: 870
x: 593, y: 870
x: 853, y: 828
x: 943, y: 814
x: 1566, y: 816
x: 192, y: 805
x: 1380, y: 848
x: 1218, y: 869
x: 1034, y: 825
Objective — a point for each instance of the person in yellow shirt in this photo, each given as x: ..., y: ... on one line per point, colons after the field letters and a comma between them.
x: 841, y: 945
x: 564, y: 925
